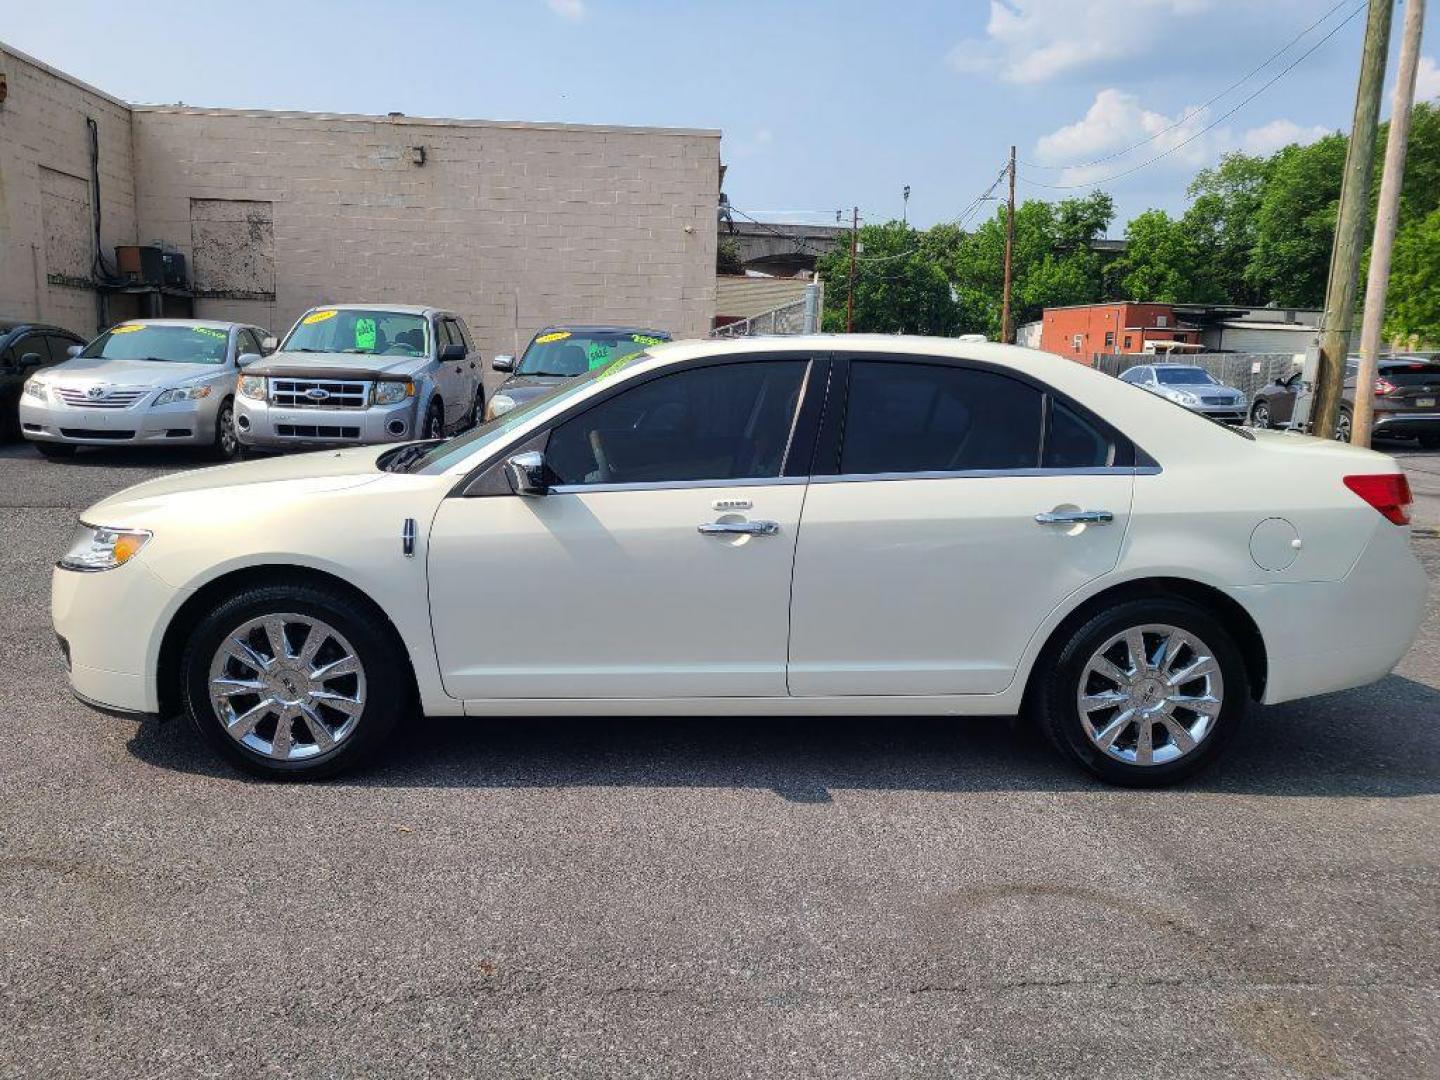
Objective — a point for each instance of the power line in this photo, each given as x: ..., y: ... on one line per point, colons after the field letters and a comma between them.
x: 1199, y: 108
x: 1208, y: 127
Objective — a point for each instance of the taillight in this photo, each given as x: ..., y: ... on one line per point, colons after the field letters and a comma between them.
x: 1384, y: 386
x: 1387, y: 492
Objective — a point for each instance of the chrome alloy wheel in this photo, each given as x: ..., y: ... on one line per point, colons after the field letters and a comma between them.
x: 287, y: 686
x: 1150, y: 695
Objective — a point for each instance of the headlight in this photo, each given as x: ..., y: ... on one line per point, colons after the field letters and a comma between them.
x: 182, y: 393
x: 99, y: 548
x: 388, y: 393
x: 251, y: 386
x: 500, y: 404
x: 1182, y: 397
x: 37, y: 388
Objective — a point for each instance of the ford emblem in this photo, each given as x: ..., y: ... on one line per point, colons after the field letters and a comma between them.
x: 95, y: 393
x: 317, y: 394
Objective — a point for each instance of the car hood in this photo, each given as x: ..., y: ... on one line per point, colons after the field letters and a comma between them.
x: 325, y: 470
x: 524, y: 387
x: 282, y: 363
x: 85, y: 372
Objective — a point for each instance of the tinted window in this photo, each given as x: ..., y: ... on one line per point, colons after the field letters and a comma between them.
x: 722, y: 422
x: 60, y: 347
x: 32, y: 343
x: 464, y: 332
x: 1184, y: 376
x: 246, y: 342
x: 1073, y: 442
x: 930, y: 418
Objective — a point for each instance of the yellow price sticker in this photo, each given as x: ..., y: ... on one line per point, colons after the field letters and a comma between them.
x: 645, y: 339
x: 128, y: 328
x: 545, y: 339
x: 319, y: 316
x: 210, y: 331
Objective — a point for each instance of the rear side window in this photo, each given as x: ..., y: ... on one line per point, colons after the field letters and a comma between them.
x: 720, y: 422
x: 903, y: 417
x: 1073, y: 442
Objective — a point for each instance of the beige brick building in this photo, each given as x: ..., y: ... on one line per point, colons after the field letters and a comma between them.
x: 513, y: 225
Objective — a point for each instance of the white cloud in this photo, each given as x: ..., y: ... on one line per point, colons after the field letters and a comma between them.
x: 1427, y: 80
x: 1117, y: 121
x: 568, y: 9
x: 1032, y: 41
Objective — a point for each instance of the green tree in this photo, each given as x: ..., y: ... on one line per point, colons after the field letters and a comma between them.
x: 900, y: 287
x: 1221, y: 225
x: 1164, y: 262
x: 727, y: 256
x: 1295, y: 223
x: 1414, y: 300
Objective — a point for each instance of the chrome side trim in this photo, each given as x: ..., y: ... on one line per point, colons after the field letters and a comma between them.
x: 981, y: 474
x: 681, y: 485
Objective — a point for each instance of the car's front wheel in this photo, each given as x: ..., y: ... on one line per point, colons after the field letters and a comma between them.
x: 227, y: 444
x: 1343, y: 426
x: 1146, y: 693
x: 1260, y: 415
x: 434, y: 427
x: 293, y: 681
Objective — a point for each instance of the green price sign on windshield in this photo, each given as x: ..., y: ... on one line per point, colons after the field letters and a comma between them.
x: 365, y: 335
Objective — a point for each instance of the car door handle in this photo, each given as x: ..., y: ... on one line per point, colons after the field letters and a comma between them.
x: 1075, y: 517
x: 747, y: 528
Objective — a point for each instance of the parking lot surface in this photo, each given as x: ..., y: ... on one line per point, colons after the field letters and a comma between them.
x: 703, y: 897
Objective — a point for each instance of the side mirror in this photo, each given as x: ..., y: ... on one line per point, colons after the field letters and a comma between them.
x: 450, y: 353
x: 503, y: 363
x: 526, y: 473
x: 269, y: 345
x: 74, y: 350
x: 246, y: 359
x: 31, y: 360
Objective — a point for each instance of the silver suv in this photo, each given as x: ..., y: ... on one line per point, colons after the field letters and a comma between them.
x: 362, y: 373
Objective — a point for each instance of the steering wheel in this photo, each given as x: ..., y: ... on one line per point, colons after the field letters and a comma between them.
x: 602, y: 459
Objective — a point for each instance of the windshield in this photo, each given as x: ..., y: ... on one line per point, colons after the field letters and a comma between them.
x: 476, y: 439
x: 1184, y: 376
x: 368, y: 332
x: 161, y: 343
x: 569, y: 353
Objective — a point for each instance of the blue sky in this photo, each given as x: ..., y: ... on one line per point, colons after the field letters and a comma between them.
x: 823, y: 105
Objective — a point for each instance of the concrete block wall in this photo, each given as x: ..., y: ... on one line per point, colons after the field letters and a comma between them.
x: 46, y: 192
x: 511, y: 225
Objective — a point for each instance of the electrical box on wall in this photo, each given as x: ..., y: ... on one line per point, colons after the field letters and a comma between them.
x: 140, y: 264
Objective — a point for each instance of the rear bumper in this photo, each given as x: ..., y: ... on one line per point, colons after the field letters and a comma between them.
x: 1322, y: 636
x: 260, y: 424
x: 1400, y: 423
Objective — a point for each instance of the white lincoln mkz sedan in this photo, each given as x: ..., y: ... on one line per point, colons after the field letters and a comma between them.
x: 847, y: 525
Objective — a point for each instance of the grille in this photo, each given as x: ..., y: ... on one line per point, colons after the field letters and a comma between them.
x: 115, y: 399
x: 339, y: 394
x: 316, y: 431
x: 1217, y: 401
x: 95, y: 433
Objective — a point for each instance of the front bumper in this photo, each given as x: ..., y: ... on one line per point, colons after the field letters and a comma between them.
x: 180, y: 423
x: 110, y: 623
x: 1226, y: 414
x: 261, y: 424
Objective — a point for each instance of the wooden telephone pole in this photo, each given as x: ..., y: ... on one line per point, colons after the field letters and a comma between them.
x: 1007, y: 334
x: 850, y: 298
x: 1387, y: 217
x: 1350, y: 223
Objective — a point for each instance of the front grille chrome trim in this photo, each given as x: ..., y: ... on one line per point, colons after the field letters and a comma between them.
x: 293, y: 393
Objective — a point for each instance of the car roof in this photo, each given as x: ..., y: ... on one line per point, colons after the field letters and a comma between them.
x: 598, y: 328
x: 9, y: 325
x: 398, y: 309
x: 214, y: 324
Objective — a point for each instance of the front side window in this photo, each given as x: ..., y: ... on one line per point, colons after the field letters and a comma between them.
x: 568, y: 353
x: 720, y: 422
x: 161, y: 343
x: 904, y: 417
x: 367, y: 332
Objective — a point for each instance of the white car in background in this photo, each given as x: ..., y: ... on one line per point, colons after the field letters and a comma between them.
x: 805, y: 525
x: 1191, y: 386
x: 147, y: 382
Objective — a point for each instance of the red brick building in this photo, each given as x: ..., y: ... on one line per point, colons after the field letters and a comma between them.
x: 1082, y: 330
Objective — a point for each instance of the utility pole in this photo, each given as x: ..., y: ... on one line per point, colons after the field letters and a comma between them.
x: 850, y: 299
x: 1006, y: 331
x: 1387, y: 217
x: 1350, y: 223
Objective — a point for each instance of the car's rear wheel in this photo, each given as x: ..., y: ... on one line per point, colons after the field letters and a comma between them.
x: 293, y: 681
x: 56, y: 450
x: 1260, y: 415
x: 1146, y: 693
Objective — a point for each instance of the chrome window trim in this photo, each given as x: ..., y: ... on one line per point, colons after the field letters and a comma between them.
x: 984, y: 474
x: 681, y: 485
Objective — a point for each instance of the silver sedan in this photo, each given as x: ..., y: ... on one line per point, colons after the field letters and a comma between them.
x: 151, y: 382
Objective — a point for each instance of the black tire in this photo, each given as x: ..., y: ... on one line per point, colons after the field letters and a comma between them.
x: 1058, y: 686
x: 388, y: 689
x: 477, y: 411
x: 56, y: 450
x: 226, y: 446
x: 1343, y: 424
x: 434, y: 422
x: 1260, y: 415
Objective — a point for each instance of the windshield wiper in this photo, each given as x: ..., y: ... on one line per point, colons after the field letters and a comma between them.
x: 543, y: 374
x: 403, y: 458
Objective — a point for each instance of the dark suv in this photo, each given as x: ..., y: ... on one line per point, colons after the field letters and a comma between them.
x: 24, y: 349
x: 558, y: 353
x: 1407, y: 400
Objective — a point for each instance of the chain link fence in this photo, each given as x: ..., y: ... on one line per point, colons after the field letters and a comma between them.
x: 1246, y: 372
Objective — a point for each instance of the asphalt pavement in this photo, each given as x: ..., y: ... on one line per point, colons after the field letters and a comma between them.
x: 704, y: 897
